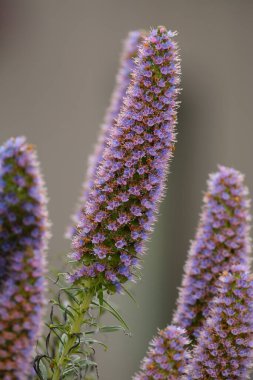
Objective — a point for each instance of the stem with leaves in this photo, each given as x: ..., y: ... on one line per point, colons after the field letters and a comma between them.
x: 72, y: 335
x: 69, y: 344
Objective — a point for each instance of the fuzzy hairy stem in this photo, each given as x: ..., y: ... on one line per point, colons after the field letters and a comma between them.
x: 75, y: 329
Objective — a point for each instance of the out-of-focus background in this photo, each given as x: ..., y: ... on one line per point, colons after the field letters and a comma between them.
x: 57, y: 69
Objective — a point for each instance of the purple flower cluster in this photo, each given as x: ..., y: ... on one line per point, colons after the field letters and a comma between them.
x: 225, y: 345
x: 222, y: 240
x: 167, y: 357
x: 120, y: 209
x: 123, y: 78
x: 23, y: 241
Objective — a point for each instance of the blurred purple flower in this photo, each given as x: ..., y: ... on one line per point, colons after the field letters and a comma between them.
x: 222, y: 240
x: 23, y: 241
x: 225, y: 345
x: 167, y: 357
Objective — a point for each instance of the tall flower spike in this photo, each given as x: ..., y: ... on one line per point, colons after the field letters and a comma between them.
x: 222, y: 240
x: 167, y: 357
x: 23, y: 241
x: 121, y: 207
x: 127, y: 62
x: 225, y: 345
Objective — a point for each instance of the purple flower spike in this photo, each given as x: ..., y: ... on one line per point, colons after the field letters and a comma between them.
x: 167, y: 357
x: 130, y: 181
x: 222, y: 240
x: 127, y: 63
x: 23, y: 241
x: 225, y: 345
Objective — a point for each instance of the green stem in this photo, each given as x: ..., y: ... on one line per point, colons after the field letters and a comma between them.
x: 75, y: 327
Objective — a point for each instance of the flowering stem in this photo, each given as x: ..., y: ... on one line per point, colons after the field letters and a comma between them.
x: 122, y: 202
x: 75, y: 329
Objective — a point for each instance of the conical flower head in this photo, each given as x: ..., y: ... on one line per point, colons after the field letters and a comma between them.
x: 121, y: 206
x: 222, y: 240
x: 167, y: 356
x: 127, y: 63
x: 225, y: 346
x: 23, y: 241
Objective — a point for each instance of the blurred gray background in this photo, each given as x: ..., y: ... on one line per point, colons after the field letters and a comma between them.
x: 57, y: 68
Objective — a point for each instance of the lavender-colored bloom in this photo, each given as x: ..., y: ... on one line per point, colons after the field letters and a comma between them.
x: 23, y: 241
x: 222, y: 240
x: 167, y: 357
x: 225, y: 345
x: 126, y: 212
x: 127, y: 62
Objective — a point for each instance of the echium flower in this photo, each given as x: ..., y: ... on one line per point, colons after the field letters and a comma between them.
x: 222, y: 240
x: 167, y: 357
x: 23, y: 241
x: 225, y: 344
x: 127, y: 62
x: 120, y: 209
